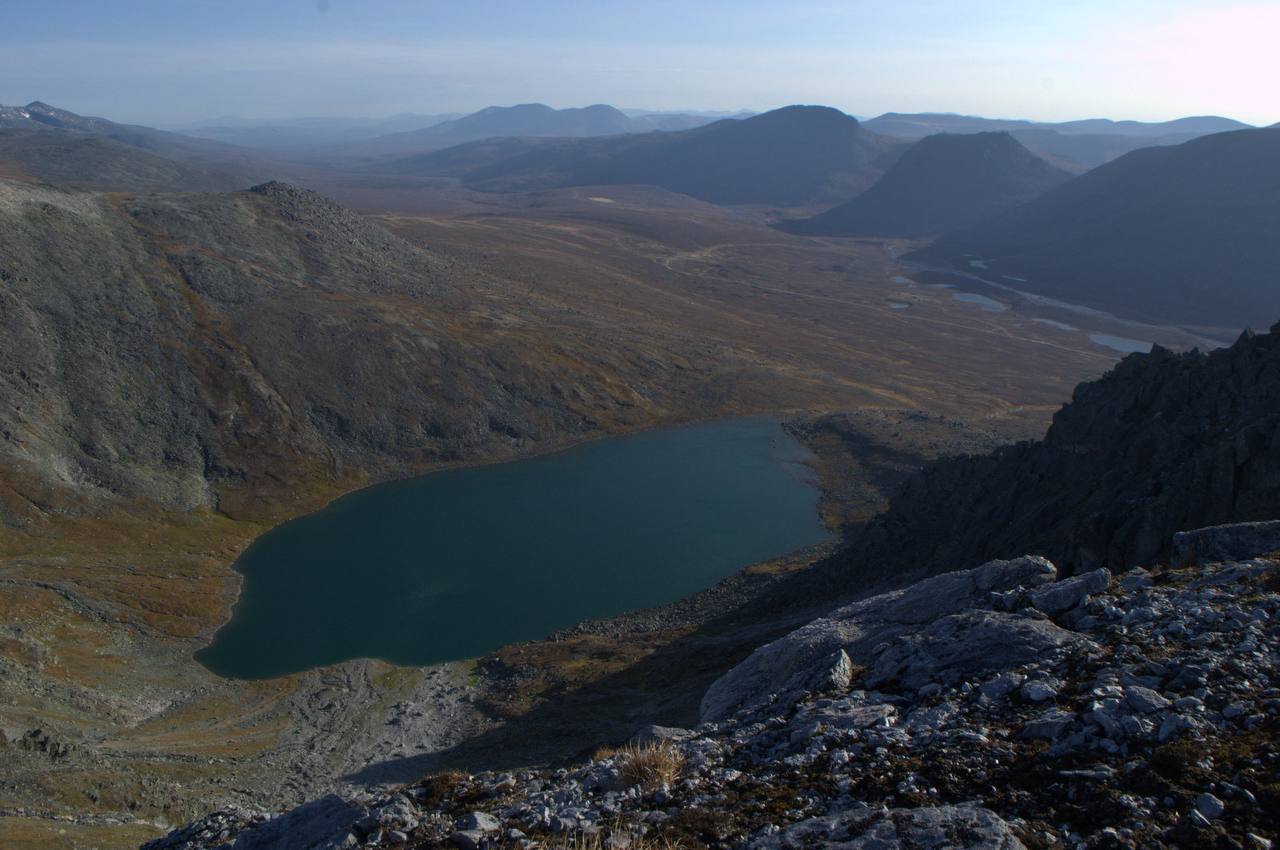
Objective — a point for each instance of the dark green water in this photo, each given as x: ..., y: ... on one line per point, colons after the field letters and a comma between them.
x: 457, y: 563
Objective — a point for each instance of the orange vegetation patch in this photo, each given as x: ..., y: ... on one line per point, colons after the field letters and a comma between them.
x: 37, y: 834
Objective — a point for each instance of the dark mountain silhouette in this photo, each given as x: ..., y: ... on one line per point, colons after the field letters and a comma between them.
x: 1184, y: 234
x: 1163, y: 442
x: 941, y: 183
x: 794, y: 155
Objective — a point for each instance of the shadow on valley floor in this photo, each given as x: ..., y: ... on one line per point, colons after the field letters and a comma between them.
x: 571, y: 720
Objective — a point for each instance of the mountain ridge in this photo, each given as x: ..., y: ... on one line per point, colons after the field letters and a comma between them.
x: 1181, y: 234
x: 941, y: 183
x: 796, y: 154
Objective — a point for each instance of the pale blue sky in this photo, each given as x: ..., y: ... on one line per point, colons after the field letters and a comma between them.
x: 176, y: 61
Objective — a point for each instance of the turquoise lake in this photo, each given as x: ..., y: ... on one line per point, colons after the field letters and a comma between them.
x: 458, y: 563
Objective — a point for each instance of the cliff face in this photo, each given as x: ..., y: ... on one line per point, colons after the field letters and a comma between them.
x: 1164, y: 441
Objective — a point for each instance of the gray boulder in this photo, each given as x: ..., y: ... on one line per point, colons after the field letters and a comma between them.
x: 792, y: 662
x: 653, y: 734
x: 323, y: 824
x: 1234, y: 542
x: 961, y: 646
x: 482, y: 821
x: 1064, y: 595
x: 964, y: 827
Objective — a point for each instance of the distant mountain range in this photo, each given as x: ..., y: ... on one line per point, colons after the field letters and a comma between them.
x: 794, y: 155
x: 527, y: 120
x: 919, y: 125
x: 942, y: 183
x: 309, y: 133
x: 1073, y: 145
x: 1184, y: 234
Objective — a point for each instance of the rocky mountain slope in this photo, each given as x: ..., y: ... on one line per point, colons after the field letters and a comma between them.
x: 1162, y: 442
x: 942, y: 183
x: 1182, y: 234
x: 214, y: 350
x: 85, y: 160
x: 996, y: 708
x: 61, y: 146
x: 794, y: 155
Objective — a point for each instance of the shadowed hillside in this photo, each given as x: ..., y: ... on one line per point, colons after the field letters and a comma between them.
x: 56, y: 145
x: 794, y: 155
x: 1163, y: 442
x: 941, y: 183
x: 1181, y: 234
x: 90, y: 161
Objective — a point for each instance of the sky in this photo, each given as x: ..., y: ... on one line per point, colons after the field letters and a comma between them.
x: 175, y: 62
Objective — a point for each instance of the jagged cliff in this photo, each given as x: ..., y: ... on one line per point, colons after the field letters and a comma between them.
x: 1163, y: 442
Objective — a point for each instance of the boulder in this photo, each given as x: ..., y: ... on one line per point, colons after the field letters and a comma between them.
x: 323, y: 824
x: 973, y: 643
x: 788, y: 665
x: 653, y: 734
x: 1233, y: 542
x: 1048, y: 726
x: 482, y: 821
x: 1144, y: 700
x: 1064, y: 595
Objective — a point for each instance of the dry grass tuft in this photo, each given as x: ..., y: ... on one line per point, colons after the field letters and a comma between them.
x: 580, y: 841
x: 650, y: 765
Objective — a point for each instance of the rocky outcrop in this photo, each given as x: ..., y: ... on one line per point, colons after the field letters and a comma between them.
x: 1162, y: 443
x: 1145, y: 714
x: 1225, y: 542
x: 779, y: 669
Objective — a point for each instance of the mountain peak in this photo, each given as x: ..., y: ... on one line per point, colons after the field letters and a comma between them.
x: 939, y: 182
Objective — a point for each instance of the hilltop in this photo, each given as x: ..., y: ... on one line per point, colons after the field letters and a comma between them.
x: 1074, y: 145
x: 942, y: 183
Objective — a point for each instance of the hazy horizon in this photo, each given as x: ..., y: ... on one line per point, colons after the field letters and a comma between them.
x: 169, y: 64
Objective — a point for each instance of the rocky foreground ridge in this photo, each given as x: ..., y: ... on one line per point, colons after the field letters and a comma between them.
x: 1163, y: 442
x: 997, y: 707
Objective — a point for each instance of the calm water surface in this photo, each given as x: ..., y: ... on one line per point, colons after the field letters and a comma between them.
x: 457, y: 563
